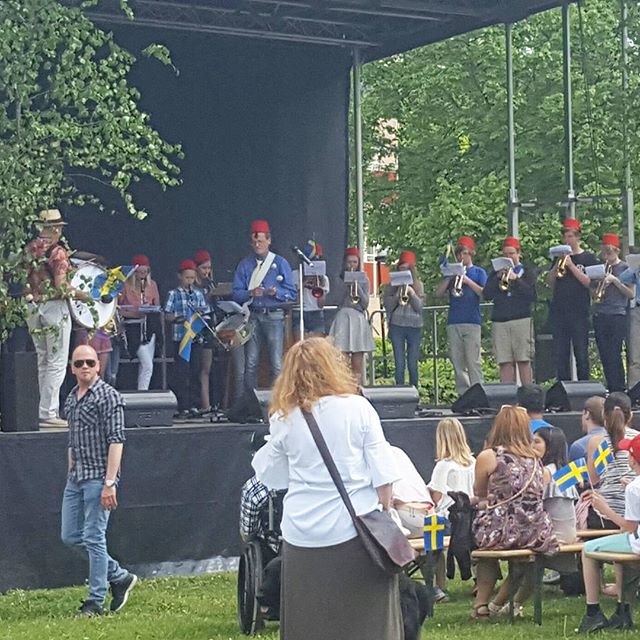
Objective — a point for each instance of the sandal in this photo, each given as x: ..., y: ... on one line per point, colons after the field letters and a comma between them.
x: 480, y: 612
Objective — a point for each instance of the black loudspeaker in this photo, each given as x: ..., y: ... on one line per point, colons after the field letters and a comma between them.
x: 485, y: 396
x: 253, y: 406
x: 393, y: 402
x: 149, y: 408
x: 570, y: 396
x: 19, y: 395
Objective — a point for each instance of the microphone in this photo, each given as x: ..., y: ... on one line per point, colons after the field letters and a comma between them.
x: 300, y: 255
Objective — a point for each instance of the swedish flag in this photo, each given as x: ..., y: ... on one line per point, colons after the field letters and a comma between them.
x: 193, y: 325
x: 570, y: 475
x: 602, y: 456
x: 434, y: 532
x: 107, y: 286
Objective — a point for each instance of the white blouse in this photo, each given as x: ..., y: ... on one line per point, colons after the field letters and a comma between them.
x: 314, y: 514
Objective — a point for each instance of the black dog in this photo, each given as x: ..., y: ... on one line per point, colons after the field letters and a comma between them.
x: 416, y: 602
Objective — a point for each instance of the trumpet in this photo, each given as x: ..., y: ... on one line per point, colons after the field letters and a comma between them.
x: 598, y: 293
x: 353, y: 293
x: 505, y: 280
x: 456, y: 290
x: 404, y: 295
x: 561, y: 269
x: 316, y: 288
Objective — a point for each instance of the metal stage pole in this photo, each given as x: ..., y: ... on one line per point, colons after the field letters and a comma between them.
x: 568, y: 110
x: 357, y: 125
x: 301, y: 289
x: 630, y: 236
x: 513, y: 205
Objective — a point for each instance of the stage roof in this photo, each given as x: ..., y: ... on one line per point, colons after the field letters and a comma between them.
x: 378, y: 27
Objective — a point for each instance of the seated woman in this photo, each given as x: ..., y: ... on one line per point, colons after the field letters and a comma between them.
x: 550, y: 444
x: 611, y: 484
x: 347, y: 596
x: 626, y: 542
x: 454, y: 471
x: 510, y: 483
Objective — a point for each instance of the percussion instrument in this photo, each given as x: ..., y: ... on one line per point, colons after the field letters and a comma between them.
x: 93, y: 314
x: 234, y: 331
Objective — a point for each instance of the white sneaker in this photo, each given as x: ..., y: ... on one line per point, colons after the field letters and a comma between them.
x: 54, y: 423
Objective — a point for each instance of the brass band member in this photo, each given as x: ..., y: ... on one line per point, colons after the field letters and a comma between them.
x: 404, y: 314
x: 350, y: 329
x: 570, y: 304
x: 464, y: 321
x: 513, y: 291
x: 610, y: 313
x: 315, y: 290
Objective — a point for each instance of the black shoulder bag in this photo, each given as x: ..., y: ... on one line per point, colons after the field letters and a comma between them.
x: 380, y: 535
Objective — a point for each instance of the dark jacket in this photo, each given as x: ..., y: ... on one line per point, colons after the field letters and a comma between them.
x: 516, y: 302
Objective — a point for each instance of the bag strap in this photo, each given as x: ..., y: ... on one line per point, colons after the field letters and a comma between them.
x: 519, y: 493
x: 328, y: 461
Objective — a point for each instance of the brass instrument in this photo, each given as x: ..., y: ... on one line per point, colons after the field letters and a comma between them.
x: 404, y: 295
x: 316, y: 290
x: 505, y: 280
x: 353, y: 291
x: 456, y: 290
x: 598, y: 293
x: 561, y: 269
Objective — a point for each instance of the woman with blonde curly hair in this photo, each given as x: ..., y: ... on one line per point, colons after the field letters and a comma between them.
x: 330, y: 586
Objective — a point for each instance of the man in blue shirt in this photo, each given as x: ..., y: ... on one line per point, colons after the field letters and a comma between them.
x: 265, y: 281
x: 531, y: 397
x: 463, y: 325
x: 592, y: 425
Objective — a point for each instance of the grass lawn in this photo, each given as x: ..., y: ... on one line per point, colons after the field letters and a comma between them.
x: 204, y: 608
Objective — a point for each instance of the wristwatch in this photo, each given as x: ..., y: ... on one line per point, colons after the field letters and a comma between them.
x: 109, y: 483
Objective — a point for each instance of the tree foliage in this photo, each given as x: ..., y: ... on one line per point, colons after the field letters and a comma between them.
x: 70, y: 124
x: 450, y: 102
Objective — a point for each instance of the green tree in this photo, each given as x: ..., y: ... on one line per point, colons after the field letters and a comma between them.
x: 69, y: 119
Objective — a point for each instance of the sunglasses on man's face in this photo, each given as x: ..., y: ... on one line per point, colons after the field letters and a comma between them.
x: 78, y: 364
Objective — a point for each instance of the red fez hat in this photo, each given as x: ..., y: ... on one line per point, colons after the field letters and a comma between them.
x: 140, y: 260
x: 571, y: 223
x: 409, y: 257
x: 612, y: 239
x: 468, y: 242
x: 351, y: 251
x: 201, y: 257
x: 260, y: 226
x: 510, y: 241
x: 187, y: 264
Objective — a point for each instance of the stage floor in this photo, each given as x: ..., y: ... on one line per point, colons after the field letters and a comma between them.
x: 179, y: 496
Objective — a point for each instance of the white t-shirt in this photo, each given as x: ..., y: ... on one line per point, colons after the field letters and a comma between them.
x: 632, y: 511
x: 314, y: 514
x: 451, y: 476
x: 311, y: 303
x: 411, y: 487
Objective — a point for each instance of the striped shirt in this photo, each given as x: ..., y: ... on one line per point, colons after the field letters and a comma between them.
x: 95, y: 422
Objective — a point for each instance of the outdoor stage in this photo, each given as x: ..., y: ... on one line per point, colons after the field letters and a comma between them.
x: 179, y: 498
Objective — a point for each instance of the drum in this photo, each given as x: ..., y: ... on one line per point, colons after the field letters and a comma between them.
x: 94, y: 314
x: 233, y: 331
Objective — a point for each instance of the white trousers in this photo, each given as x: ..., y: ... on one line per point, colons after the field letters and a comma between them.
x: 50, y: 327
x: 145, y: 368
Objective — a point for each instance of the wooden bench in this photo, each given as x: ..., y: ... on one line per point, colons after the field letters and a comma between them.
x: 611, y: 556
x: 589, y: 534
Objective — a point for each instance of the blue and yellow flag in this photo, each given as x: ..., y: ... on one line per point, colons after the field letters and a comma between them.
x: 570, y: 475
x: 434, y: 532
x: 193, y: 325
x: 602, y: 456
x: 110, y: 284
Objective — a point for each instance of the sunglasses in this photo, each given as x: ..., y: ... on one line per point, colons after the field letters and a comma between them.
x: 78, y: 364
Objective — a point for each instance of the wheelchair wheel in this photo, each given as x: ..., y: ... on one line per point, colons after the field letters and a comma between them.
x: 250, y: 572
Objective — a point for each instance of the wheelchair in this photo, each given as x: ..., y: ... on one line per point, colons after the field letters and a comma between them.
x: 261, y: 549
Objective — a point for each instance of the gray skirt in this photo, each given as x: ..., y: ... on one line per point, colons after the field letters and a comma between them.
x: 336, y: 593
x: 351, y: 331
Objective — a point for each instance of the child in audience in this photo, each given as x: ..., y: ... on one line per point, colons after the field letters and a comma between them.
x: 626, y: 542
x: 454, y: 471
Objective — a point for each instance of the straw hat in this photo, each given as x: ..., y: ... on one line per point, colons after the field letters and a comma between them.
x: 51, y: 218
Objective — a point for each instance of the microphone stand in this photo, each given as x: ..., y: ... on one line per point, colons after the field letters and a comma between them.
x: 302, y: 260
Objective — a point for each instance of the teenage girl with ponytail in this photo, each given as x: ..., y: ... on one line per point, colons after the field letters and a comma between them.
x: 611, y: 484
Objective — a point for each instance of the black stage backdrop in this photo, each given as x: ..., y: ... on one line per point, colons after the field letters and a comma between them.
x: 264, y: 129
x: 179, y: 498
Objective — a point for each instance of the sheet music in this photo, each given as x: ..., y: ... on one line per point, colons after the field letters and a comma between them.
x: 355, y: 276
x: 596, y: 271
x: 400, y: 278
x: 502, y: 263
x: 316, y: 268
x: 452, y: 269
x: 633, y: 261
x: 560, y: 250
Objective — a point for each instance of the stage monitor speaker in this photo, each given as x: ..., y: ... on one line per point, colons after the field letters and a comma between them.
x: 19, y: 397
x: 567, y: 395
x: 482, y: 397
x: 253, y: 406
x: 149, y: 408
x: 393, y: 402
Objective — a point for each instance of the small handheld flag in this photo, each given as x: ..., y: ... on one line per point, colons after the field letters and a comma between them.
x: 193, y: 325
x: 110, y: 284
x: 602, y: 456
x: 434, y: 532
x: 572, y: 474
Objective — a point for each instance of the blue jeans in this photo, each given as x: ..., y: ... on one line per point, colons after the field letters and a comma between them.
x: 265, y: 327
x: 84, y: 527
x: 406, y: 348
